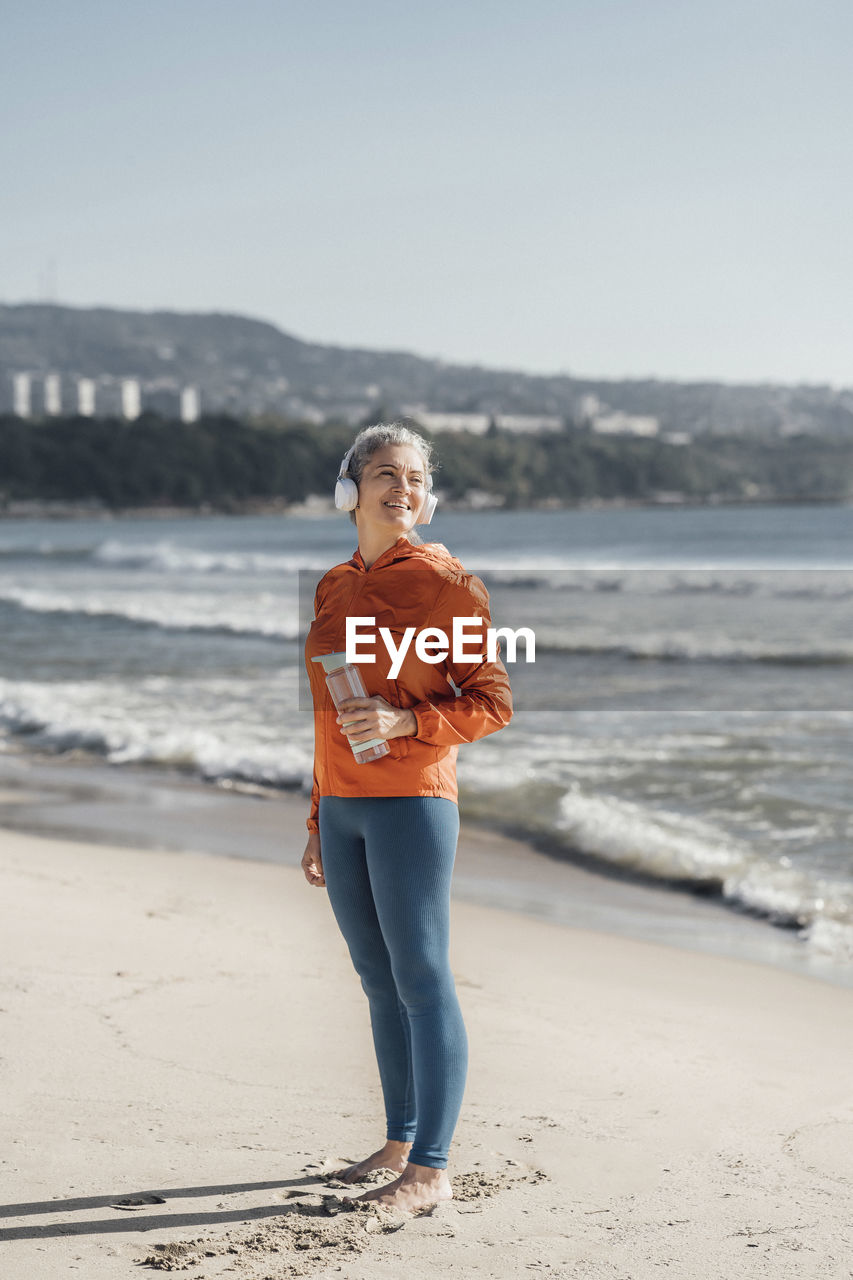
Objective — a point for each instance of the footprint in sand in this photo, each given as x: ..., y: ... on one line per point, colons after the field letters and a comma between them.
x: 824, y: 1148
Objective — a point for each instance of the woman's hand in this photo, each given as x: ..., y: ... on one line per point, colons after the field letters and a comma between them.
x: 312, y: 863
x: 368, y: 718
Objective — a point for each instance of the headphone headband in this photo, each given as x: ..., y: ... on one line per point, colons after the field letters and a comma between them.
x: 345, y: 462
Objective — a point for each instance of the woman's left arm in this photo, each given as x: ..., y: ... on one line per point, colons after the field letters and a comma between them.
x: 484, y: 702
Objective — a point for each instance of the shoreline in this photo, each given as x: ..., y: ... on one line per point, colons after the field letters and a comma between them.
x: 85, y: 800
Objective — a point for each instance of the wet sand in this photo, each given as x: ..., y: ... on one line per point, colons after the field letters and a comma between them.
x: 141, y: 807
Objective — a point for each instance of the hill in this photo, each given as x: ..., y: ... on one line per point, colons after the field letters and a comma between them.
x: 250, y: 368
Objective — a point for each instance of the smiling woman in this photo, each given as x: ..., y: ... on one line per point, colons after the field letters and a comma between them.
x: 382, y: 834
x: 385, y: 476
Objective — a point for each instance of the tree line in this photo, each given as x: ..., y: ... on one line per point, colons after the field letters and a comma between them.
x: 222, y: 463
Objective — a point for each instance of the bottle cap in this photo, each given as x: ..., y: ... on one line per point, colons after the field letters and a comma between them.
x: 331, y: 661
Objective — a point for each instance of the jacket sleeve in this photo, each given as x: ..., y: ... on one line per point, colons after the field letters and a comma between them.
x: 484, y: 702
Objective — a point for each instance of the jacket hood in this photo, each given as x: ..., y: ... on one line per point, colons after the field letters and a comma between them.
x: 434, y: 553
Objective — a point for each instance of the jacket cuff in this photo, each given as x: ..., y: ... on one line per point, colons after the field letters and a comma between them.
x: 431, y: 722
x: 417, y: 712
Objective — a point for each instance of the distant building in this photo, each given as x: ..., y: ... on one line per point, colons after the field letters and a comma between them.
x: 53, y: 394
x: 628, y: 424
x: 587, y: 407
x: 86, y: 397
x: 131, y: 399
x: 477, y: 423
x: 527, y: 422
x: 22, y: 395
x: 190, y: 404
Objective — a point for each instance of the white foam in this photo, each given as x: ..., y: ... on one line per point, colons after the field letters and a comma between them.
x: 169, y: 557
x: 833, y: 938
x: 677, y: 847
x: 207, y: 726
x: 262, y: 613
x: 667, y: 846
x: 779, y: 891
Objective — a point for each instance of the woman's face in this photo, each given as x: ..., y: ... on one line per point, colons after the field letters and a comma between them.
x: 392, y: 489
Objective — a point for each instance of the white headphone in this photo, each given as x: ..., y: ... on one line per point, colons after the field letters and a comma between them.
x: 346, y: 493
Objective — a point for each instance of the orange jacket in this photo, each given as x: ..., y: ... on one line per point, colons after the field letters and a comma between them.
x: 408, y: 586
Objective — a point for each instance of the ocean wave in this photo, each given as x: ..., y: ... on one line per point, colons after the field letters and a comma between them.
x: 261, y: 615
x: 273, y: 616
x: 511, y: 570
x: 666, y: 847
x: 165, y: 556
x: 678, y: 849
x: 145, y: 726
x: 687, y: 647
x: 819, y: 586
x: 674, y: 850
x: 660, y: 586
x: 170, y: 557
x: 220, y: 732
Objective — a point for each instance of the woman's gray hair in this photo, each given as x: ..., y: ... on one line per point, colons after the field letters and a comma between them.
x: 376, y: 437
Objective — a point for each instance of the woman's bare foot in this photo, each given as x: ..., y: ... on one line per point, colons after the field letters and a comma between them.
x: 418, y: 1187
x: 391, y: 1156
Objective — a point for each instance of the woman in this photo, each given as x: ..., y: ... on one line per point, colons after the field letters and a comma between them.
x: 382, y: 834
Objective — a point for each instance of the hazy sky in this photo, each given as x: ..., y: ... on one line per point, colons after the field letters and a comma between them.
x: 605, y: 187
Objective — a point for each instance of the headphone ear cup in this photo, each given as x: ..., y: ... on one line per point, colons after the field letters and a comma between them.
x: 428, y: 509
x: 346, y: 494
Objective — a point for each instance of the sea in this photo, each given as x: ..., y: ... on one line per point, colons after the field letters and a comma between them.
x: 687, y: 719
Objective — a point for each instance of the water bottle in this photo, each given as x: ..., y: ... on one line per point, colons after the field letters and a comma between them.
x: 343, y: 680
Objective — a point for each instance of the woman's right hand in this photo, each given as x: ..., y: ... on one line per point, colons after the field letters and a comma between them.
x: 312, y: 863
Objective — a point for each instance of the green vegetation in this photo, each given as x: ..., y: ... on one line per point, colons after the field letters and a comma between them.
x: 225, y: 464
x: 573, y: 466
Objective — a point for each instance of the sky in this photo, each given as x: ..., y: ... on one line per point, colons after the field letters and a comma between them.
x: 607, y: 188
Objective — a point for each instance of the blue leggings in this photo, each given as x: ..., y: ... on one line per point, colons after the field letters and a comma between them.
x: 388, y: 861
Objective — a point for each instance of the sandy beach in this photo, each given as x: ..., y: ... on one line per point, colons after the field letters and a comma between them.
x: 186, y: 1052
